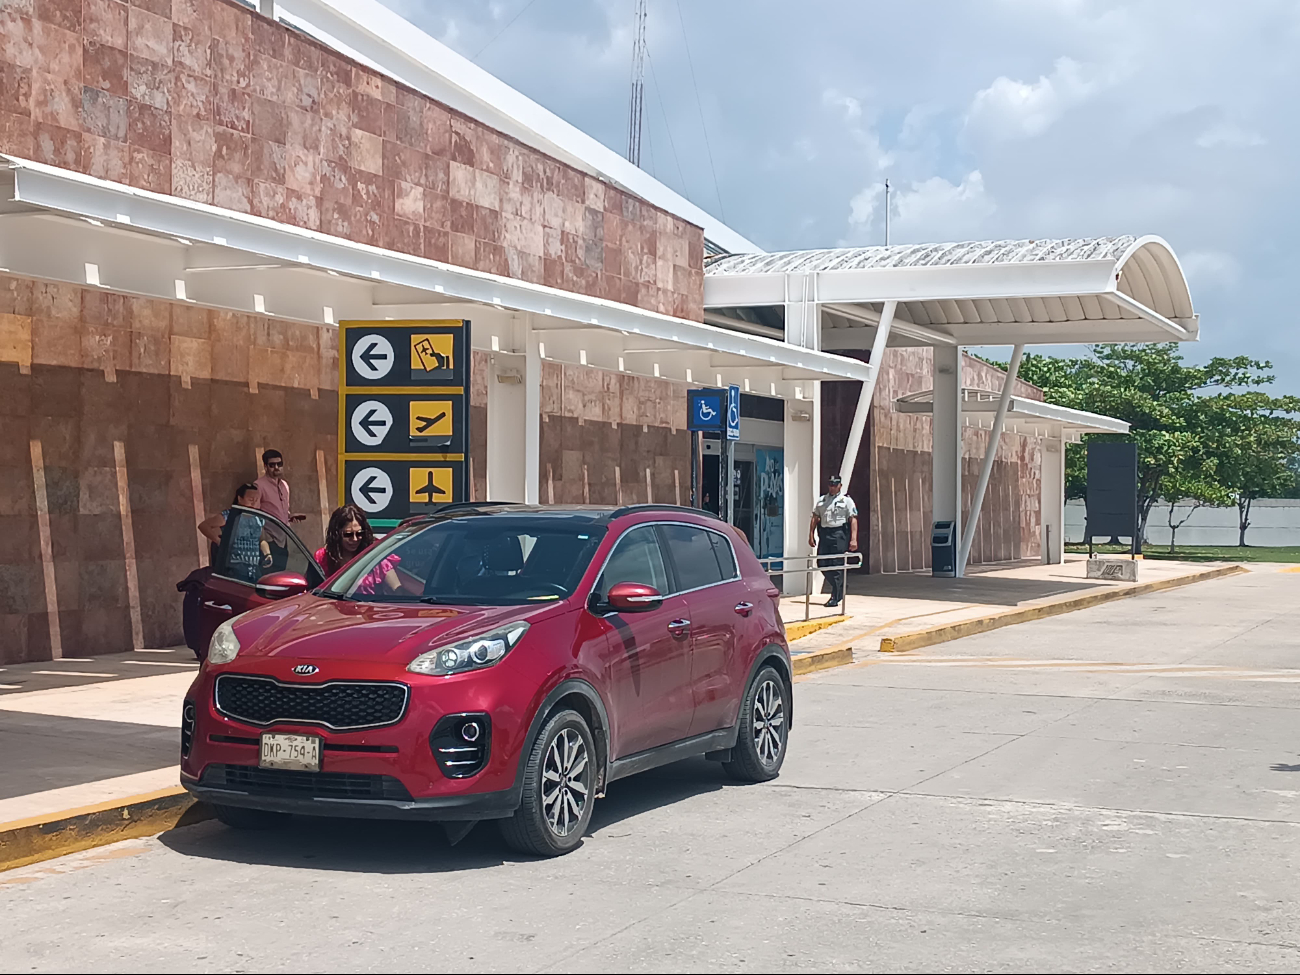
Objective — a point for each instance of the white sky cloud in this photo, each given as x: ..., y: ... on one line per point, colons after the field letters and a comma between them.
x: 1011, y: 118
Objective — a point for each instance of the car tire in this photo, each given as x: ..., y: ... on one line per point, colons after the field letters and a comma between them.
x: 559, y: 789
x: 238, y: 817
x: 761, y: 742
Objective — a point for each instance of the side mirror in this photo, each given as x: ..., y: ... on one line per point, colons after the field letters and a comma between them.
x: 633, y: 597
x: 281, y: 585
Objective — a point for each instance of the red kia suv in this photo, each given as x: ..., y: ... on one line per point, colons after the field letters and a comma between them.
x: 500, y: 662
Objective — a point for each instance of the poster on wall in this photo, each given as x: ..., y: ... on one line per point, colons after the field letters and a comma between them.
x: 769, y: 465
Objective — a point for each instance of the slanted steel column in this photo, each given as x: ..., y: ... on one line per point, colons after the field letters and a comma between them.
x: 864, y: 398
x: 999, y: 420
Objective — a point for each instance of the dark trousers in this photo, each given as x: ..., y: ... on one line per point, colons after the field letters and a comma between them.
x: 833, y: 541
x: 279, y: 556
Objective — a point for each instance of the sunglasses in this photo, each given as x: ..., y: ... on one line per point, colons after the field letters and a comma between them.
x: 353, y: 534
x: 275, y: 463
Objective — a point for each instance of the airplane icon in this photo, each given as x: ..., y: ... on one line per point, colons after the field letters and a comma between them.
x: 431, y: 485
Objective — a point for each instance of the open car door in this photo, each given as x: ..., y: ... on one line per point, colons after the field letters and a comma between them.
x: 244, y: 576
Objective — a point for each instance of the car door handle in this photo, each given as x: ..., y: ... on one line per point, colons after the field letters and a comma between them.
x: 225, y: 609
x: 744, y: 609
x: 679, y: 628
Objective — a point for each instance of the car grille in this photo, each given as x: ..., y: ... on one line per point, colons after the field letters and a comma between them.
x: 339, y: 705
x: 285, y: 782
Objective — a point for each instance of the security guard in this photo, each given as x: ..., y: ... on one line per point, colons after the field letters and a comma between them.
x: 835, y: 519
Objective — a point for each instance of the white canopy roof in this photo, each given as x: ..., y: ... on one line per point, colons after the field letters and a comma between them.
x: 1030, y: 417
x: 1109, y: 289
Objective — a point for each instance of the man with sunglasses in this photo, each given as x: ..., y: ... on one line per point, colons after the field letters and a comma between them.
x: 274, y: 500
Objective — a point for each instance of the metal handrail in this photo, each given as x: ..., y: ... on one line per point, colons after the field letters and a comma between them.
x: 842, y: 561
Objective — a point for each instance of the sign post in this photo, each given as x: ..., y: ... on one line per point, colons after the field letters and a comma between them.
x: 706, y: 411
x: 403, y: 417
x: 729, y: 448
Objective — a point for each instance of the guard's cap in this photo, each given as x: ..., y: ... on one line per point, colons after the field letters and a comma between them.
x: 835, y: 479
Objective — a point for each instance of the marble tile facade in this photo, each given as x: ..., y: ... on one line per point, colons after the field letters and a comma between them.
x: 209, y: 101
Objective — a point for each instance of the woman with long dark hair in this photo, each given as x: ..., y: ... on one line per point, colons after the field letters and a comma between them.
x: 348, y: 535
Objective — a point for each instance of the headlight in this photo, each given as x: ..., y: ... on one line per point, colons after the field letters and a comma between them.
x: 224, y: 646
x: 473, y: 654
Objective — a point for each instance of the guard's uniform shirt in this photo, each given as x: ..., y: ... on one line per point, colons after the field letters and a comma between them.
x: 835, y: 510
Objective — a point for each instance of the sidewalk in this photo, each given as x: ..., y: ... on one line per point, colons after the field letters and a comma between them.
x: 898, y: 608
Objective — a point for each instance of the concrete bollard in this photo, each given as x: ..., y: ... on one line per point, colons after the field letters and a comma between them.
x: 1113, y: 570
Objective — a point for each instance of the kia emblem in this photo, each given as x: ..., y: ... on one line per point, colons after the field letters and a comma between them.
x: 305, y: 670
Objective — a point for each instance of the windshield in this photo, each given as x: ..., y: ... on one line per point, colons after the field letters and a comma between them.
x: 490, y: 560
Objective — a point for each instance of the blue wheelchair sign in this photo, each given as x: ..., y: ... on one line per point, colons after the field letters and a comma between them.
x: 733, y: 412
x: 707, y: 409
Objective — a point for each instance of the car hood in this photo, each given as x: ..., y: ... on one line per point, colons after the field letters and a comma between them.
x: 311, y: 628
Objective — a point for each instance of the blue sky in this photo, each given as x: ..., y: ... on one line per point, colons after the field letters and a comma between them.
x: 1005, y: 118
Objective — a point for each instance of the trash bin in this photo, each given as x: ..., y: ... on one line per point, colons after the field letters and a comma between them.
x: 943, y: 549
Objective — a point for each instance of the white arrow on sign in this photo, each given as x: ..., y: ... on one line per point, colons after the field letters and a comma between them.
x: 371, y: 422
x: 372, y: 489
x: 372, y: 356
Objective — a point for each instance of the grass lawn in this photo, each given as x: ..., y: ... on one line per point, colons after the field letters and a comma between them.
x: 1203, y: 553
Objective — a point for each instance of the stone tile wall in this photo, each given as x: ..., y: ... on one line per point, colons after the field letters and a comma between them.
x: 894, y: 468
x: 209, y: 101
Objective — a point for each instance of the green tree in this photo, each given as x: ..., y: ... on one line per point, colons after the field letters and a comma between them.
x: 1255, y: 440
x: 1160, y: 397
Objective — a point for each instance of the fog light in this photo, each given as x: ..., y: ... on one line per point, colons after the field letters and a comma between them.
x: 470, y: 731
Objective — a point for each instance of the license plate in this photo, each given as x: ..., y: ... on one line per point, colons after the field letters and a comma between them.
x: 300, y: 752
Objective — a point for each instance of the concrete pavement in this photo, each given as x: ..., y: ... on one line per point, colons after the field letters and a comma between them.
x: 1113, y: 790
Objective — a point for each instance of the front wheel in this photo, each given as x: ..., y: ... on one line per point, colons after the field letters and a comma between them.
x: 559, y: 777
x: 760, y: 744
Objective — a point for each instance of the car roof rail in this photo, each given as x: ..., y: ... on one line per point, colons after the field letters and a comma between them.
x: 454, y: 507
x: 630, y: 509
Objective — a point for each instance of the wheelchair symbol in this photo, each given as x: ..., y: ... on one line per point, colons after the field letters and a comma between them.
x: 706, y: 411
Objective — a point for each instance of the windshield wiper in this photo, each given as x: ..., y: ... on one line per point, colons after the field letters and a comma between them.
x: 328, y: 594
x: 431, y: 599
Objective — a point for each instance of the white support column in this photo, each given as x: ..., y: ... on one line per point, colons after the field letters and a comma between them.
x: 1052, y: 501
x: 863, y: 411
x: 532, y: 453
x: 800, y: 488
x: 946, y: 464
x: 990, y: 455
x: 507, y: 423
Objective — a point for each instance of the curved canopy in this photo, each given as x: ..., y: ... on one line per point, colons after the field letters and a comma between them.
x: 1108, y: 289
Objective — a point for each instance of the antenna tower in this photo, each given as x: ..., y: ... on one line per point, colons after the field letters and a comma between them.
x: 638, y: 84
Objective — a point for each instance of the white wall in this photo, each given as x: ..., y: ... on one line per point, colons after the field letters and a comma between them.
x: 1272, y: 522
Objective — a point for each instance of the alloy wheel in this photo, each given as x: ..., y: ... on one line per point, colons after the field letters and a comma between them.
x: 566, y: 781
x: 769, y: 722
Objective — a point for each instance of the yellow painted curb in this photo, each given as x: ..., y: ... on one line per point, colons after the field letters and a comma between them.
x: 903, y: 642
x: 1290, y: 568
x: 797, y: 631
x: 807, y: 663
x: 25, y: 841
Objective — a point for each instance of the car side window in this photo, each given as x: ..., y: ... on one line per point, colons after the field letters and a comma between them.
x: 253, y: 545
x: 694, y: 557
x: 636, y: 558
x: 726, y: 557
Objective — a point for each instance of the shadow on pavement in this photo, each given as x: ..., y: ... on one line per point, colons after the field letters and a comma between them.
x: 394, y: 846
x: 1281, y: 767
x: 975, y: 588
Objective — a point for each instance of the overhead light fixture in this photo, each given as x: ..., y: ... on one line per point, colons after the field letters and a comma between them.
x: 620, y: 364
x: 180, y: 290
x: 328, y: 314
x: 582, y: 357
x: 259, y: 304
x: 496, y: 344
x: 92, y: 274
x: 182, y: 240
x: 93, y: 222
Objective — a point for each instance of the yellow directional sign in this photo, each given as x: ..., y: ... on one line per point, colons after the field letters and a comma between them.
x: 431, y: 418
x: 431, y: 352
x: 432, y: 485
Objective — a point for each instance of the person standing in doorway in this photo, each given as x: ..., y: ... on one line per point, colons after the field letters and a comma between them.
x: 274, y: 500
x: 834, y: 531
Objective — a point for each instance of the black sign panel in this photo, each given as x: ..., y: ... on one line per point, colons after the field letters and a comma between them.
x: 379, y: 354
x: 403, y: 416
x: 390, y: 490
x: 398, y: 423
x: 1112, y: 489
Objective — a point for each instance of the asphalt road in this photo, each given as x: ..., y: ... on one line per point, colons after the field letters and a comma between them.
x: 1113, y: 790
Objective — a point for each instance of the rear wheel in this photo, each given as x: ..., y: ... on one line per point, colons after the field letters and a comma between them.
x: 760, y: 745
x: 559, y: 778
x: 237, y: 817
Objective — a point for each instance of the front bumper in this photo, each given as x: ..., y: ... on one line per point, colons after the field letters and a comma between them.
x: 482, y: 805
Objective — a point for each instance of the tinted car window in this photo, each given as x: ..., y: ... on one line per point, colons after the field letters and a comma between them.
x: 725, y: 556
x: 693, y: 556
x: 636, y: 558
x: 253, y: 546
x: 494, y: 560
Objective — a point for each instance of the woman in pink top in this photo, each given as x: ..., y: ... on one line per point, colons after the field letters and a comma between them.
x: 349, y: 534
